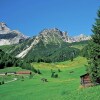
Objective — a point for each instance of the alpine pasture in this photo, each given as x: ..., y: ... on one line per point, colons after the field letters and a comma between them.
x: 66, y: 87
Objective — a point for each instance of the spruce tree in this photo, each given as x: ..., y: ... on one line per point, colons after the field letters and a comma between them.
x: 94, y: 52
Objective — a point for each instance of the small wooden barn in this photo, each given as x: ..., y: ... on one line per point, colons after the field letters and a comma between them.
x: 85, y: 80
x: 24, y: 72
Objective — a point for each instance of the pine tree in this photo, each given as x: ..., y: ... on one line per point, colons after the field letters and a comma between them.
x: 94, y: 52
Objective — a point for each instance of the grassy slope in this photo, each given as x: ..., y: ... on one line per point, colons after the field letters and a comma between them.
x: 79, y: 45
x: 11, y: 69
x: 66, y: 87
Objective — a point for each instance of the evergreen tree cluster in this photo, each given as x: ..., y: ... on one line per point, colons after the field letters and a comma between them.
x: 7, y: 60
x: 94, y: 52
x: 84, y: 51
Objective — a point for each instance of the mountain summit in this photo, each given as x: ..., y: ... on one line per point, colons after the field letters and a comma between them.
x: 80, y: 37
x: 3, y: 28
x: 53, y: 35
x: 8, y: 36
x: 56, y: 36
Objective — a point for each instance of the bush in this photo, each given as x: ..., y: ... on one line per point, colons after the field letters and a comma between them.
x: 2, y: 82
x: 38, y: 71
x: 59, y: 70
x: 53, y: 75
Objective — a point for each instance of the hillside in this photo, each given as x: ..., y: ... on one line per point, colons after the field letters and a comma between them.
x: 48, y: 46
x: 66, y: 86
x: 51, y: 53
x: 42, y: 52
x: 51, y: 45
x: 79, y: 45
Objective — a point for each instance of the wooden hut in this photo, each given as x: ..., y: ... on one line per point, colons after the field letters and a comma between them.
x: 85, y: 80
x: 24, y: 72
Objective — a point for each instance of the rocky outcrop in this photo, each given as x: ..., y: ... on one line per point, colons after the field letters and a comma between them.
x: 3, y: 28
x: 79, y: 38
x: 53, y: 35
x: 8, y: 36
x: 24, y: 52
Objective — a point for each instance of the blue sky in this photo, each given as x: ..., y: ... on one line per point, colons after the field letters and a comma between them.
x: 32, y: 16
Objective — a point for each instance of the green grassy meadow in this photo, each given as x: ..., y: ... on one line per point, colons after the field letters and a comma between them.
x: 65, y: 87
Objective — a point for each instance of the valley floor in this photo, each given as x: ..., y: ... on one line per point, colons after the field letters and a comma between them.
x: 65, y: 87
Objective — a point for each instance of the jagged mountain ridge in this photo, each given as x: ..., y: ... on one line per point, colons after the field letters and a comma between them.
x: 44, y: 42
x: 79, y: 38
x: 53, y: 35
x: 63, y: 36
x: 8, y: 36
x: 49, y: 44
x: 47, y: 36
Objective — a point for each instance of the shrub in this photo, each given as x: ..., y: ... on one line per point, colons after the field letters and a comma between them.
x: 38, y: 71
x: 2, y: 82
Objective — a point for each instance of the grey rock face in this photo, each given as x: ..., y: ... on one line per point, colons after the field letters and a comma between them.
x: 3, y: 28
x: 79, y: 38
x: 53, y: 35
x: 8, y: 37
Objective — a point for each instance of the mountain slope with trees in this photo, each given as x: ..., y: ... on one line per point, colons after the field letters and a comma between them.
x: 6, y: 60
x: 51, y: 53
x: 48, y: 46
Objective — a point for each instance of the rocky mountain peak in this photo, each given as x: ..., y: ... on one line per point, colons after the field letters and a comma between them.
x: 81, y: 37
x: 53, y: 35
x: 49, y: 31
x: 8, y: 36
x: 3, y: 28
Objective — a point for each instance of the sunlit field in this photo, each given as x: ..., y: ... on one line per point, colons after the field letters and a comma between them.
x: 65, y: 87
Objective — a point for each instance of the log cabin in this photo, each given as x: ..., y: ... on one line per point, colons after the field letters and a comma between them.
x: 85, y: 80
